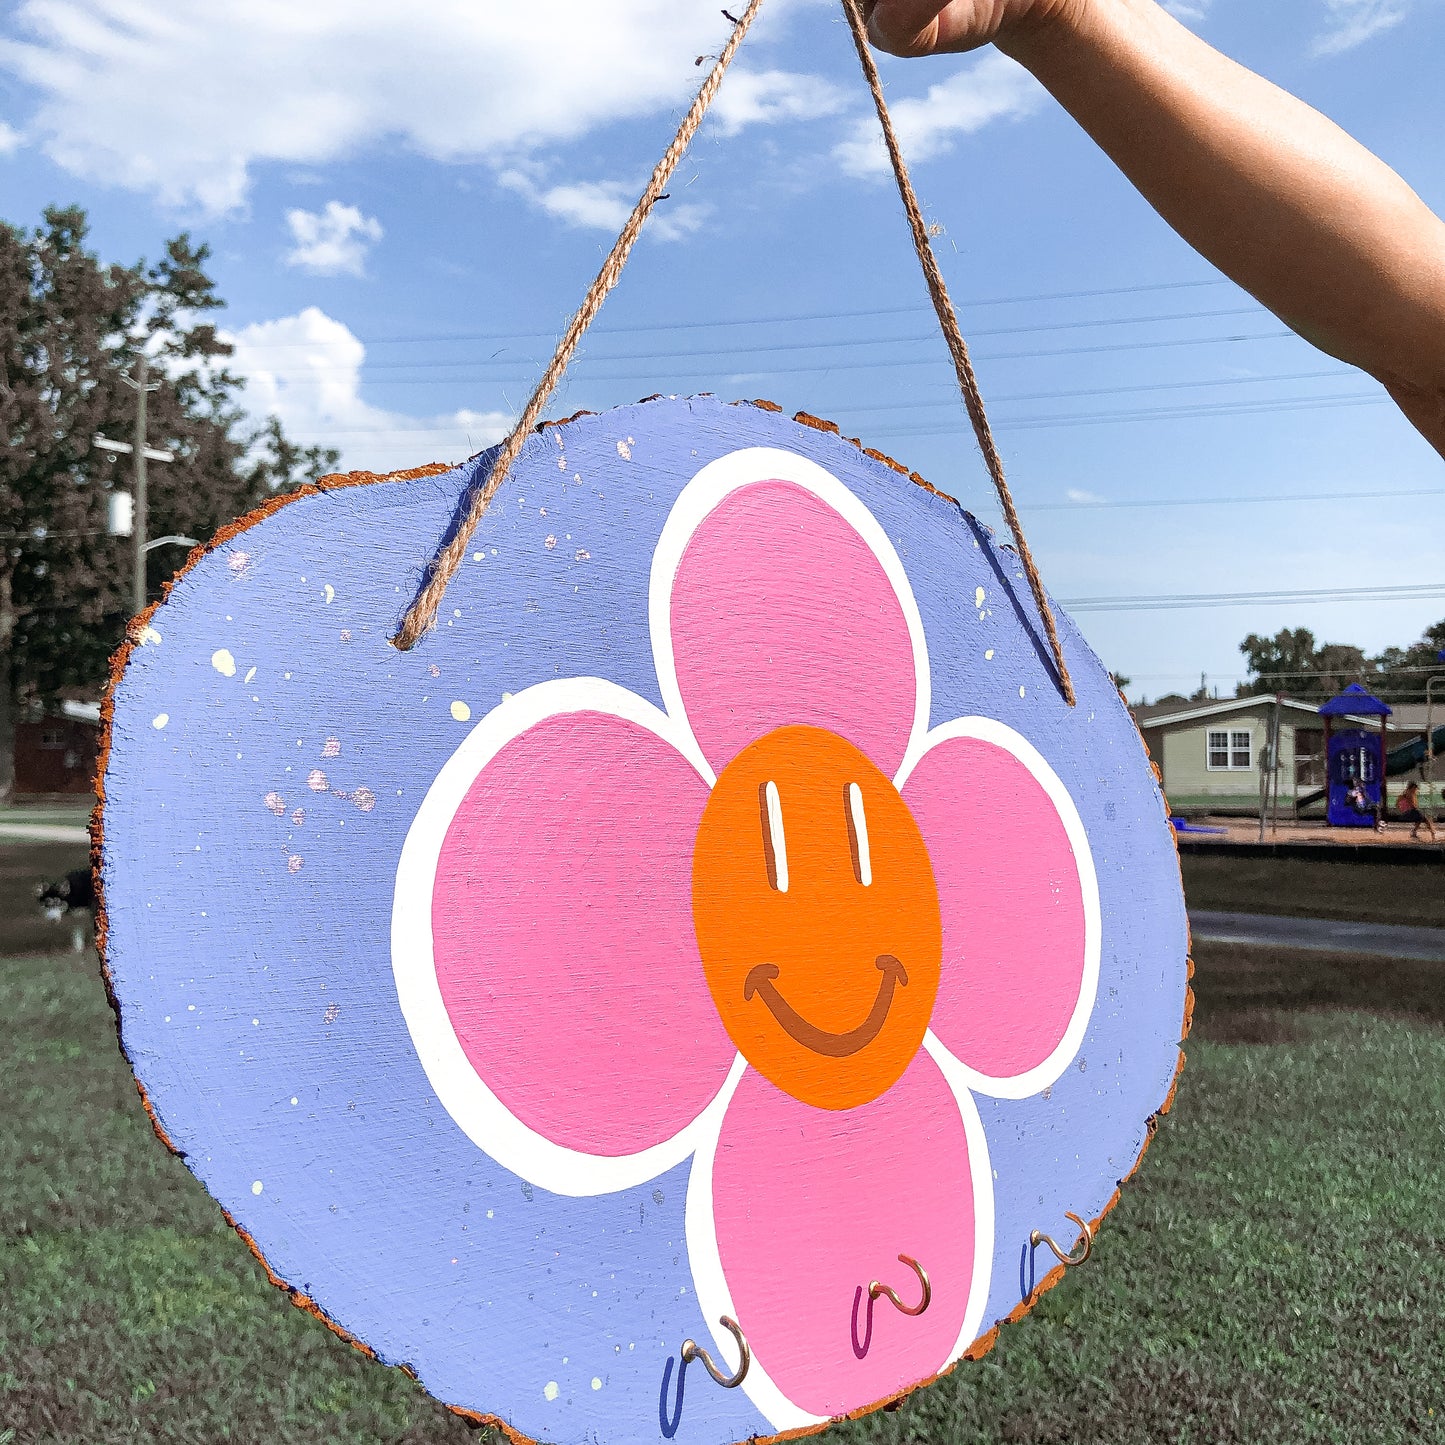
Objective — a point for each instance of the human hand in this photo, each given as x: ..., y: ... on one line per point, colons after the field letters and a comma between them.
x: 937, y: 27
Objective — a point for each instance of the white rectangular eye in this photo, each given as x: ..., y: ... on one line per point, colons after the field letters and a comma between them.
x: 776, y: 839
x: 862, y: 859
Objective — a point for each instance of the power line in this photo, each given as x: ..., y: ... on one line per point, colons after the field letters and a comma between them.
x: 1242, y: 408
x: 773, y: 319
x: 849, y: 343
x: 737, y: 374
x: 1169, y: 602
x: 1103, y: 505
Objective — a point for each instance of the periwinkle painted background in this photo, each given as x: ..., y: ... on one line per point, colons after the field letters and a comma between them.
x: 250, y: 952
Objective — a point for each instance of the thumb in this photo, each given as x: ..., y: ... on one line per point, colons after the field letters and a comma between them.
x: 904, y: 27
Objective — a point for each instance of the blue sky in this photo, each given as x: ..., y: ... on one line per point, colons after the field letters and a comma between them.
x: 406, y: 203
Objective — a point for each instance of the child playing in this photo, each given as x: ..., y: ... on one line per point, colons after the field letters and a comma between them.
x: 1408, y: 807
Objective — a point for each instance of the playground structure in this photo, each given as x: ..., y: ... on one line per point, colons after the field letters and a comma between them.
x: 1355, y: 760
x: 1360, y: 752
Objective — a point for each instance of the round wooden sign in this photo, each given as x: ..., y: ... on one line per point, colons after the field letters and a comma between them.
x: 719, y: 929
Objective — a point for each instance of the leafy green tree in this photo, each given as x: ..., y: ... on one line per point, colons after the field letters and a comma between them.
x: 71, y: 327
x: 1291, y: 662
x: 1403, y: 671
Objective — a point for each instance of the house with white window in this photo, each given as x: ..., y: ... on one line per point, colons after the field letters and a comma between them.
x: 1210, y: 753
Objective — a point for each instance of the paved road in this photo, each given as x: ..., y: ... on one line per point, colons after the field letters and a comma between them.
x: 1325, y: 935
x: 42, y: 833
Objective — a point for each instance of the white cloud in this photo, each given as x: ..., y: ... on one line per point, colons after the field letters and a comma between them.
x: 1352, y: 22
x: 183, y: 99
x: 1077, y: 494
x: 751, y: 97
x: 333, y: 242
x: 306, y: 370
x: 991, y: 88
x: 10, y: 139
x: 606, y: 205
x: 1187, y: 10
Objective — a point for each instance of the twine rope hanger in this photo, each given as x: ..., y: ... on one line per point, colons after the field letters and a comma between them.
x: 421, y: 616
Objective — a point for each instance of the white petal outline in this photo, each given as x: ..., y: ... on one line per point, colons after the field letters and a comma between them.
x: 989, y: 730
x: 712, y: 486
x: 715, y: 1299
x: 490, y: 1125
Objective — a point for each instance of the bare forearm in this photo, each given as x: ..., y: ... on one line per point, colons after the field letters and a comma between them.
x: 1278, y: 197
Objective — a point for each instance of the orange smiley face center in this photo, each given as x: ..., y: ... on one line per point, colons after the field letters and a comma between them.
x: 817, y: 917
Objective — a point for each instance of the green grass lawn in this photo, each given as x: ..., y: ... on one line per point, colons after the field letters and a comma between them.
x: 1303, y: 888
x: 1274, y: 1274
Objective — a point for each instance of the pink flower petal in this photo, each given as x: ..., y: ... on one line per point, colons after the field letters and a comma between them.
x: 563, y: 939
x: 1012, y: 903
x: 781, y: 613
x: 809, y: 1204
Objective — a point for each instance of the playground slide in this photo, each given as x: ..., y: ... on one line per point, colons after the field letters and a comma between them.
x: 1398, y: 760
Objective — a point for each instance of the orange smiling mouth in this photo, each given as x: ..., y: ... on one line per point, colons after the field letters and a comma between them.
x: 836, y: 1046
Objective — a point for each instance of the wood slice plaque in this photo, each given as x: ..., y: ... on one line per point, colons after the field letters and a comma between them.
x: 720, y: 913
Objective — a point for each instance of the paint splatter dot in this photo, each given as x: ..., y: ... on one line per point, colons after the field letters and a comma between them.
x: 477, y: 556
x: 550, y: 543
x: 364, y: 799
x: 298, y: 817
x: 331, y: 748
x: 346, y: 635
x: 978, y: 596
x: 461, y: 712
x: 596, y: 1382
x: 294, y: 863
x: 333, y: 1012
x: 551, y: 1389
x: 583, y: 555
x: 294, y: 1099
x: 434, y: 670
x: 330, y: 594
x: 988, y: 656
x: 238, y: 561
x: 149, y: 636
x: 256, y: 1186
x: 160, y: 720
x: 276, y: 803
x: 624, y: 451
x: 316, y: 781
x: 223, y: 662
x: 249, y: 675
x: 1021, y: 692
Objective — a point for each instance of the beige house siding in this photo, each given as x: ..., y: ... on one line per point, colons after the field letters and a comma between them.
x: 1183, y: 753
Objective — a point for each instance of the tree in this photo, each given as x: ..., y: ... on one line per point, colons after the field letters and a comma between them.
x: 1290, y: 662
x: 1404, y: 670
x: 71, y: 328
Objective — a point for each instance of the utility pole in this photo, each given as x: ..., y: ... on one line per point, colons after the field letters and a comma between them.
x: 140, y: 453
x: 143, y: 387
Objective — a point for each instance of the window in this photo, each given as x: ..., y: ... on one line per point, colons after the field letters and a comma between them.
x: 1230, y: 751
x: 1218, y: 750
x: 1239, y: 750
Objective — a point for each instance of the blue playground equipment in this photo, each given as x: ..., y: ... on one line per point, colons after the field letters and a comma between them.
x: 1355, y: 755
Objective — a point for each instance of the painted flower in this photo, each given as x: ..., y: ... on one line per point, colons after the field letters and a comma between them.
x: 780, y: 925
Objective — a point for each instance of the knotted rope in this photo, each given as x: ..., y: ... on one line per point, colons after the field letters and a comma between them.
x: 957, y: 346
x: 422, y: 614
